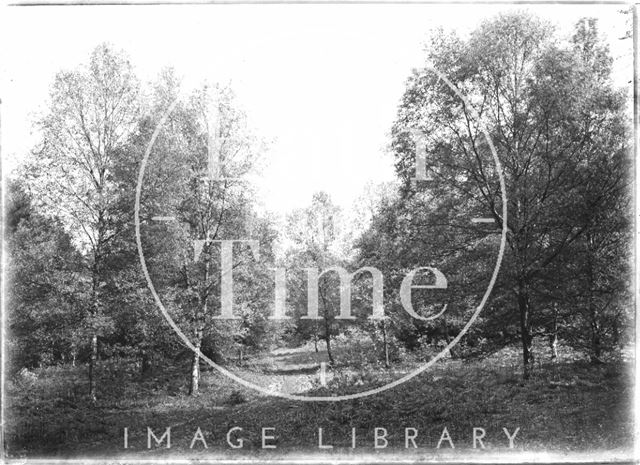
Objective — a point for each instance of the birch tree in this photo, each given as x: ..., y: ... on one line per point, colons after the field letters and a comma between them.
x: 92, y: 112
x: 198, y: 177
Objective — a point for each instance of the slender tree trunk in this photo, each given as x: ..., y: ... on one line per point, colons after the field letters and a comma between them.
x: 328, y: 341
x: 327, y: 326
x: 145, y: 365
x: 385, y: 344
x: 96, y: 270
x: 596, y: 343
x: 553, y: 346
x: 594, y: 315
x: 315, y: 335
x: 93, y: 355
x: 201, y: 311
x: 327, y: 338
x: 453, y: 352
x: 597, y: 347
x: 525, y: 331
x: 93, y: 359
x: 553, y: 335
x: 194, y: 385
x: 616, y: 332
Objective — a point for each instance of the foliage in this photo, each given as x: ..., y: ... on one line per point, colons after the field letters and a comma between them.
x: 47, y: 289
x: 560, y: 130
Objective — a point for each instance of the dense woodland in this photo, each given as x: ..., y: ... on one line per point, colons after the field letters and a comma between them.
x: 76, y: 295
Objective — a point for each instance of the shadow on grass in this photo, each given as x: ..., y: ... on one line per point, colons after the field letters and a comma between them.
x: 298, y: 370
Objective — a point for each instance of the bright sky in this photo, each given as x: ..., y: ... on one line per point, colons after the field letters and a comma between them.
x: 321, y: 82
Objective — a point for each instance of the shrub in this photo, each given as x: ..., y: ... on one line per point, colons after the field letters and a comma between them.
x: 236, y: 398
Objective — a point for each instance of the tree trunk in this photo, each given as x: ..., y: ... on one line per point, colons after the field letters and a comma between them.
x: 597, y: 347
x: 315, y: 335
x: 145, y: 365
x: 616, y: 332
x: 596, y: 344
x: 525, y: 331
x: 93, y: 359
x: 553, y: 335
x: 201, y: 311
x: 195, y: 366
x: 328, y: 341
x: 96, y: 270
x: 327, y: 324
x: 553, y: 345
x: 385, y: 344
x: 327, y: 337
x: 453, y: 352
x: 594, y: 314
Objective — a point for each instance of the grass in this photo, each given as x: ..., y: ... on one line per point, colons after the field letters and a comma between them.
x: 564, y: 407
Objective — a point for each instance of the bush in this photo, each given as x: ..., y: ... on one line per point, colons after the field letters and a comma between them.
x: 236, y: 398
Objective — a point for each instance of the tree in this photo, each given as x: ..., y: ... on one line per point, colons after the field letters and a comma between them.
x: 559, y: 129
x: 47, y: 287
x: 368, y: 235
x: 595, y: 301
x: 316, y: 234
x: 203, y: 150
x: 92, y: 112
x: 407, y: 233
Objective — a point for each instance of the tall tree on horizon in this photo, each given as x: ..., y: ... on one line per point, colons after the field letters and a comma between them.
x: 92, y: 112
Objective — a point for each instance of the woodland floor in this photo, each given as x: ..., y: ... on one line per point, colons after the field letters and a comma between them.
x: 565, y: 407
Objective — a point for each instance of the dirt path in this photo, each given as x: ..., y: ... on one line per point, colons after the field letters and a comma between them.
x: 294, y: 370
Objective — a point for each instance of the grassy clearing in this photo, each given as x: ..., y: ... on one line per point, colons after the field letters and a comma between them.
x: 568, y: 406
